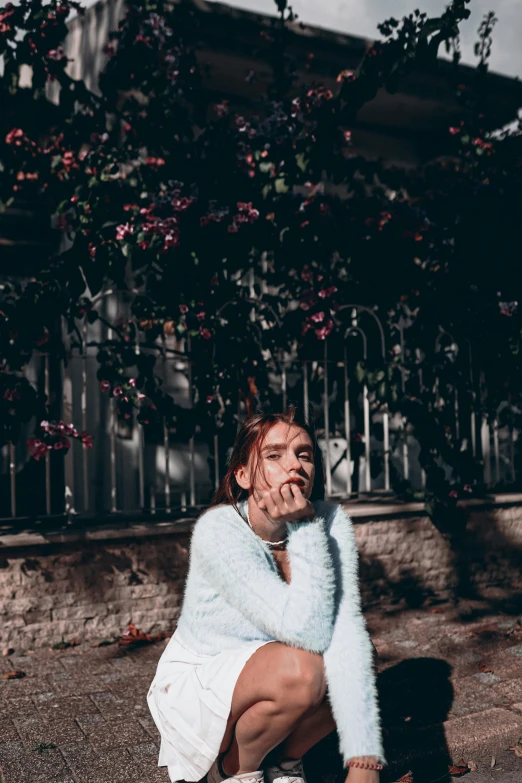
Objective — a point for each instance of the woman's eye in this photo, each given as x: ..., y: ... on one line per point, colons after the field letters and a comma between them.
x: 273, y: 455
x: 305, y: 456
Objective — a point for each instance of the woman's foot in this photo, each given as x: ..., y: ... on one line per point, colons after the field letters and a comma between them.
x: 217, y: 774
x: 289, y: 771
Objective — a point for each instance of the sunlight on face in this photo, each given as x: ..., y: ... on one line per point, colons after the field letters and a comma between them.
x: 286, y: 454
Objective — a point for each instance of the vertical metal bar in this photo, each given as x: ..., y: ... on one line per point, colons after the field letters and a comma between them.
x: 47, y: 456
x: 326, y: 412
x: 216, y: 461
x: 152, y: 499
x: 68, y: 415
x: 283, y: 384
x: 83, y: 402
x: 386, y: 427
x: 12, y: 477
x: 141, y: 443
x: 405, y: 449
x: 112, y: 444
x: 366, y: 412
x: 511, y: 442
x: 473, y: 401
x: 166, y: 444
x: 457, y: 413
x: 496, y: 449
x: 305, y: 392
x: 192, y: 463
x: 347, y: 427
x: 486, y: 450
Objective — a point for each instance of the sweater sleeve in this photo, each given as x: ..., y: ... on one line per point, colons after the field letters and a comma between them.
x: 352, y: 689
x: 235, y: 564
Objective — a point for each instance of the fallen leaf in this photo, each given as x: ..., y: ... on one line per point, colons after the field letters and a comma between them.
x: 407, y: 778
x: 134, y: 635
x: 459, y: 769
x: 437, y: 610
x: 43, y: 747
x: 484, y: 668
x: 13, y: 675
x: 64, y: 645
x: 473, y: 766
x: 104, y: 643
x: 518, y: 749
x: 493, y: 762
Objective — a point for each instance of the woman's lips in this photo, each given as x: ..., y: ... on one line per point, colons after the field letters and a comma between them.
x: 300, y: 482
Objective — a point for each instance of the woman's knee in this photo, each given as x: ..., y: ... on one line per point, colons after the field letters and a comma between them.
x: 302, y: 678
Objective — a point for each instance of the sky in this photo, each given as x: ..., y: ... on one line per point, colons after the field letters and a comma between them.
x: 361, y: 17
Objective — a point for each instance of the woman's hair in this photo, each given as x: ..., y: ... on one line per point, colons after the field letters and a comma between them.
x: 248, y: 444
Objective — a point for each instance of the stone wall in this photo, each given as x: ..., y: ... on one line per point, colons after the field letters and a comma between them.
x: 91, y: 589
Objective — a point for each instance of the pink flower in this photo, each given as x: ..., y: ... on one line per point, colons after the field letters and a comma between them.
x: 86, y: 439
x: 453, y: 130
x: 307, y: 274
x: 15, y: 137
x: 453, y: 493
x: 132, y: 382
x: 117, y: 391
x: 205, y: 333
x: 467, y: 488
x: 317, y: 317
x: 183, y: 309
x: 324, y: 293
x: 37, y: 448
x: 105, y: 386
x: 201, y: 316
x: 325, y: 330
x: 123, y: 230
x: 209, y: 398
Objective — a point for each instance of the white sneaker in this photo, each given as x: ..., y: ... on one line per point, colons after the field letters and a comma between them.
x: 286, y: 772
x: 214, y: 776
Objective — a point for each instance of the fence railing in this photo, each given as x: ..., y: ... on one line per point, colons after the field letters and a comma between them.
x: 366, y: 448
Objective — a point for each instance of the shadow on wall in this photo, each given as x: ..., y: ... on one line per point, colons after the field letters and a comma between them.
x: 415, y: 697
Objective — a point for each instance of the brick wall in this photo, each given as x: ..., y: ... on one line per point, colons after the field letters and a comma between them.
x: 91, y: 590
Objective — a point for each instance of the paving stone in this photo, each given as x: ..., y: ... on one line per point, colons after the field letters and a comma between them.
x: 145, y: 750
x: 58, y: 730
x: 150, y: 727
x: 91, y: 766
x: 516, y: 650
x: 476, y: 732
x: 111, y: 706
x: 116, y: 734
x: 85, y: 722
x: 17, y: 708
x: 8, y: 731
x: 486, y: 678
x: 49, y: 705
x: 21, y: 766
x: 27, y: 686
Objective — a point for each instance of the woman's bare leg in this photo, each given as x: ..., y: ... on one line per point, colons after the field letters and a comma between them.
x: 317, y: 724
x: 278, y: 686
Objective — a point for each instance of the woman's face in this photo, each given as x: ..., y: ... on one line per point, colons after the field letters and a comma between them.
x: 286, y: 455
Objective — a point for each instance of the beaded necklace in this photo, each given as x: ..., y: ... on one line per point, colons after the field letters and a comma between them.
x: 272, y: 544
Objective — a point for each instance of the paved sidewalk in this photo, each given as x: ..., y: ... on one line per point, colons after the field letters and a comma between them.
x: 450, y: 680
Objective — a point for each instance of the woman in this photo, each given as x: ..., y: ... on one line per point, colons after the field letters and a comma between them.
x: 271, y: 651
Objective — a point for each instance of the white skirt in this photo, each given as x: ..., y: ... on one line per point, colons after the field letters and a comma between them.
x: 189, y: 699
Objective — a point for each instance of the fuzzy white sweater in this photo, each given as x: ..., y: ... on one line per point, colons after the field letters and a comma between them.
x: 234, y: 594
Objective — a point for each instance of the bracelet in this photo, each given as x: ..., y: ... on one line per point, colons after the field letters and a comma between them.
x: 363, y: 765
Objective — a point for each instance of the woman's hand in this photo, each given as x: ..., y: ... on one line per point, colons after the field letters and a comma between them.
x: 285, y: 504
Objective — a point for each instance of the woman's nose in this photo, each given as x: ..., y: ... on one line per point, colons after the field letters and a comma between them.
x: 293, y: 463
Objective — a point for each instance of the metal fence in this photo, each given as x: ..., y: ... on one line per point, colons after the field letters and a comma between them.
x: 366, y: 449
